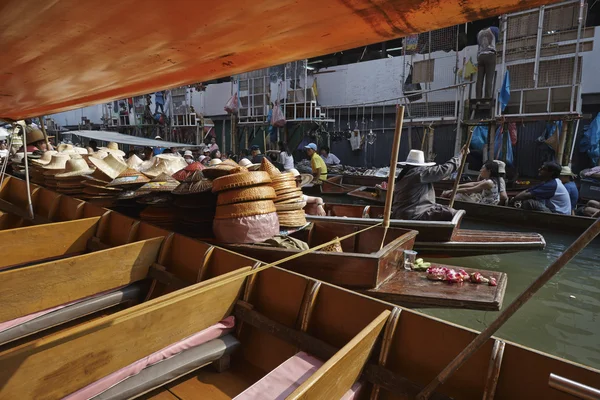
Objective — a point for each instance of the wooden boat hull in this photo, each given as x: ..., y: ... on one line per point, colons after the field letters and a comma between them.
x: 440, y: 238
x: 278, y: 312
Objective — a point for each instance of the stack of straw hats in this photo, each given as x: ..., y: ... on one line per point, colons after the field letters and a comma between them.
x: 157, y: 194
x: 289, y: 201
x: 56, y: 165
x: 113, y: 148
x: 126, y: 183
x: 245, y: 211
x: 134, y: 162
x: 161, y: 184
x: 167, y: 163
x: 36, y: 171
x: 71, y: 180
x: 196, y: 206
x: 97, y: 187
x: 186, y: 172
x: 216, y: 170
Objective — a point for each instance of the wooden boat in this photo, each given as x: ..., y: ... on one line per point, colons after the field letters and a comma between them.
x: 379, y: 272
x: 438, y: 238
x: 363, y: 266
x: 183, y: 286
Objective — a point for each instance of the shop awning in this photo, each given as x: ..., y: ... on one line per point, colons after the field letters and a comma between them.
x: 120, y: 138
x: 66, y: 54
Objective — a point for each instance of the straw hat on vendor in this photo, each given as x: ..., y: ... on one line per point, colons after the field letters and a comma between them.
x: 416, y: 158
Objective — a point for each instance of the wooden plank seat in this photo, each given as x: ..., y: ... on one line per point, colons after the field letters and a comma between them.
x: 21, y: 327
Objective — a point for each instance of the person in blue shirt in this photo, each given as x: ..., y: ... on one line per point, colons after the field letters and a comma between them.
x: 159, y: 101
x: 566, y: 177
x: 549, y: 196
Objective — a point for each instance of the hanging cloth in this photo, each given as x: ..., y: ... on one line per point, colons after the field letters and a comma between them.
x: 504, y: 97
x: 590, y: 143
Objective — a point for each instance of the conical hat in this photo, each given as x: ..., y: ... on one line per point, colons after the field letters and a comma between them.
x: 75, y: 167
x: 182, y: 174
x: 134, y: 162
x: 58, y: 161
x: 108, y: 167
x: 46, y: 158
x: 268, y: 167
x: 161, y: 183
x: 195, y: 177
x: 168, y: 165
x: 129, y: 177
x: 306, y: 179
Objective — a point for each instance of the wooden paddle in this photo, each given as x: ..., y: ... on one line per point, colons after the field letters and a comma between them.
x: 43, y: 127
x: 461, y: 168
x: 387, y: 211
x: 578, y: 245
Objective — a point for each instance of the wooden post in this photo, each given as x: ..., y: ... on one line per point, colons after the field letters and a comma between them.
x: 392, y: 177
x: 578, y: 245
x: 461, y: 168
x: 264, y: 139
x: 563, y: 141
x: 43, y: 127
x: 566, y: 160
x: 492, y: 141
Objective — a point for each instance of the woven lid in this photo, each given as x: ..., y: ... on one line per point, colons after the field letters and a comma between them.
x: 268, y: 167
x: 214, y: 162
x: 218, y: 171
x: 284, y: 176
x: 244, y: 209
x: 284, y: 185
x: 246, y: 194
x: 292, y: 218
x: 292, y: 195
x: 162, y: 183
x: 75, y: 167
x: 107, y: 168
x: 285, y: 191
x: 201, y: 186
x: 297, y: 205
x: 129, y: 177
x: 243, y: 179
x: 230, y: 162
x: 57, y: 162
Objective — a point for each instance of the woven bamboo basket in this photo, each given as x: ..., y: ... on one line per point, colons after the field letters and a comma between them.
x: 335, y: 247
x: 297, y: 194
x: 218, y: 171
x: 269, y: 168
x: 292, y: 219
x: 243, y: 179
x: 298, y: 205
x: 285, y: 191
x: 284, y: 176
x: 246, y: 194
x: 245, y: 209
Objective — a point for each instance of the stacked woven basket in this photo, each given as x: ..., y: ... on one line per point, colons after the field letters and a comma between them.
x: 195, y: 206
x: 245, y: 211
x: 289, y: 200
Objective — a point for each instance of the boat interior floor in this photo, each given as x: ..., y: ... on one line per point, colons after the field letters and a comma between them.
x: 208, y: 384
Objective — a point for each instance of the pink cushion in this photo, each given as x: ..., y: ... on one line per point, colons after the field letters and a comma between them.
x: 213, y: 332
x: 283, y: 380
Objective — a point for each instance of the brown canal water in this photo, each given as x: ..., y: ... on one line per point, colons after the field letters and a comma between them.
x: 562, y: 318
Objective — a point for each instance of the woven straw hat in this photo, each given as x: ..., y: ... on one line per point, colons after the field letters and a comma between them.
x: 33, y: 134
x: 306, y: 179
x: 58, y: 161
x: 113, y: 148
x: 89, y: 180
x: 244, y: 209
x: 281, y: 186
x: 244, y: 162
x: 195, y: 177
x: 285, y: 191
x: 107, y: 168
x: 182, y: 174
x: 101, y: 154
x: 291, y: 200
x: 292, y: 195
x: 297, y: 205
x: 165, y: 164
x: 129, y: 177
x: 246, y: 194
x: 267, y: 166
x: 75, y: 167
x: 201, y: 186
x: 80, y: 150
x: 100, y: 190
x: 335, y: 247
x: 46, y: 157
x: 134, y: 162
x: 218, y: 171
x: 292, y: 218
x: 240, y: 180
x: 214, y: 162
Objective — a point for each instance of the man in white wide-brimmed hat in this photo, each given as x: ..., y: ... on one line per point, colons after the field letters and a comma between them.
x: 414, y: 196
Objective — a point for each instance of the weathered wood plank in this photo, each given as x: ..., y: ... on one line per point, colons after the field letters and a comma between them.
x: 45, y: 241
x: 340, y: 372
x: 55, y: 366
x: 38, y: 287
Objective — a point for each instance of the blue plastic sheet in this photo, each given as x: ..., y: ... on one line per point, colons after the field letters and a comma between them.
x: 498, y: 146
x: 480, y: 137
x: 504, y: 97
x: 590, y: 142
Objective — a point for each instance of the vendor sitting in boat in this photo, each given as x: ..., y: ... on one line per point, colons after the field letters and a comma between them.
x: 319, y: 168
x: 414, y: 196
x: 549, y: 196
x: 485, y: 191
